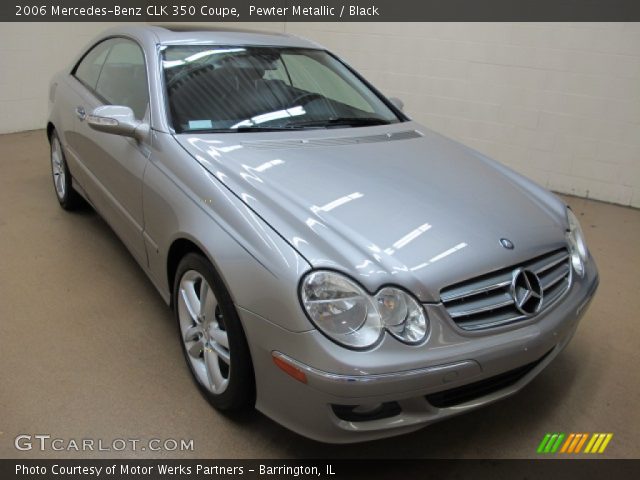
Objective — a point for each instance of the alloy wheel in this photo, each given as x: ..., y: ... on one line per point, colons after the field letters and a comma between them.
x: 203, y: 332
x: 58, y: 168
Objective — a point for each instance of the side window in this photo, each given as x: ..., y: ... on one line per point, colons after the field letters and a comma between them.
x: 88, y: 70
x: 123, y: 80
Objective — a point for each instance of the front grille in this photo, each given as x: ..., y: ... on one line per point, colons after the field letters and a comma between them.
x: 486, y: 301
x: 472, y: 391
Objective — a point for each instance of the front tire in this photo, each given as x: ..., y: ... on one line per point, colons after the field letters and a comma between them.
x: 211, y: 335
x: 68, y: 198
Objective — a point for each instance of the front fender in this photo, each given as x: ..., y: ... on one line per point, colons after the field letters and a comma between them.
x: 182, y: 200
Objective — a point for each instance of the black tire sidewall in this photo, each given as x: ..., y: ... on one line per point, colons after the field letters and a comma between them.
x: 70, y: 199
x: 240, y: 392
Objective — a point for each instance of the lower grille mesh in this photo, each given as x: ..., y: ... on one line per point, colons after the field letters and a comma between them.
x: 472, y: 391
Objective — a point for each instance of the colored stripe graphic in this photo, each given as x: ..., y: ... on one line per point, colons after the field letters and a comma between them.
x: 567, y: 443
x: 598, y: 442
x: 581, y: 443
x: 573, y: 443
x: 555, y: 447
x: 591, y: 442
x: 596, y: 445
x: 550, y: 443
x: 606, y: 442
x: 543, y: 443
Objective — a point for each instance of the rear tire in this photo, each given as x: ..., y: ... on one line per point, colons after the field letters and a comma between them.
x: 68, y: 198
x: 211, y: 335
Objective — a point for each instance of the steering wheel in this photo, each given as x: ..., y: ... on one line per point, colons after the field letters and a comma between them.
x: 307, y: 97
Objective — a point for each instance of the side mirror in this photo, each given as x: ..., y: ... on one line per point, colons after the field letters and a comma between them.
x: 399, y: 104
x: 117, y: 120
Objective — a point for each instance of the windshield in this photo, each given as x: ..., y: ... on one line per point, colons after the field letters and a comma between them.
x: 232, y: 89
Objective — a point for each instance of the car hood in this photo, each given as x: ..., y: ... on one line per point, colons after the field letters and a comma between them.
x: 393, y: 204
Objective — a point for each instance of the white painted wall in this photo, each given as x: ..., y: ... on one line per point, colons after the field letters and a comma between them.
x: 30, y: 53
x: 557, y: 102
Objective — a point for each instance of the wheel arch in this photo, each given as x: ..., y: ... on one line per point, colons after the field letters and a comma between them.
x: 180, y: 247
x: 184, y: 245
x: 50, y: 128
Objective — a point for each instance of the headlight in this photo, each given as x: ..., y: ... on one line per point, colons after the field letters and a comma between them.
x: 577, y: 244
x: 401, y: 315
x: 348, y: 315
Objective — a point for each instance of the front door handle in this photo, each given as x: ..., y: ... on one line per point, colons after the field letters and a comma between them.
x: 80, y: 113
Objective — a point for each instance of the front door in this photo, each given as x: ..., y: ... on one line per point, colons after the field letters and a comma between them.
x: 114, y: 165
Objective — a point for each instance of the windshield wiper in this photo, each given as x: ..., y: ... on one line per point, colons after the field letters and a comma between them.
x: 343, y: 121
x: 244, y: 128
x: 304, y: 125
x: 256, y: 128
x: 278, y: 128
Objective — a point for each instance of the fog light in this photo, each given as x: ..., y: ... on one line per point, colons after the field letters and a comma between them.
x: 367, y: 412
x: 367, y: 409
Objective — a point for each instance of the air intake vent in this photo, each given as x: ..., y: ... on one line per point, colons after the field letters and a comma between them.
x: 490, y: 300
x: 473, y: 391
x: 331, y: 141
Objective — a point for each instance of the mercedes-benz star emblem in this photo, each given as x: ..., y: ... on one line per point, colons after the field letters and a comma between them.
x: 526, y: 291
x: 506, y: 243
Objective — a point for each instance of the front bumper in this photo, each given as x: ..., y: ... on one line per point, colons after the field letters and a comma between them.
x: 451, y: 373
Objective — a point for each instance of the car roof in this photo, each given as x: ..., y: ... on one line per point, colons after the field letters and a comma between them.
x: 181, y: 34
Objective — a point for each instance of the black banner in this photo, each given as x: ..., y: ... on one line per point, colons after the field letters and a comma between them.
x: 324, y: 469
x: 318, y: 11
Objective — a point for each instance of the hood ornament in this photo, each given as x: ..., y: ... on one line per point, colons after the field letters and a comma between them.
x: 526, y: 291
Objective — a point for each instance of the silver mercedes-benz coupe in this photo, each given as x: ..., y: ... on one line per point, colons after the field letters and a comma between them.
x: 350, y: 273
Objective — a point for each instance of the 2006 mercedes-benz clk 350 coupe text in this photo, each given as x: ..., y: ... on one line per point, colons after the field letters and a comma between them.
x: 349, y: 272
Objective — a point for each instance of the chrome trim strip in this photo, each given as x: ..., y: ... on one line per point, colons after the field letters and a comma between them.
x: 475, y: 291
x: 487, y: 308
x: 562, y: 295
x: 497, y: 323
x: 553, y: 281
x: 375, y: 378
x: 553, y: 258
x: 552, y: 264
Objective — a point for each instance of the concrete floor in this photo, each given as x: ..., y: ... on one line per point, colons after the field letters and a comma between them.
x: 89, y: 350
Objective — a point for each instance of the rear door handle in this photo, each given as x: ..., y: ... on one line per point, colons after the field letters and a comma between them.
x: 80, y: 113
